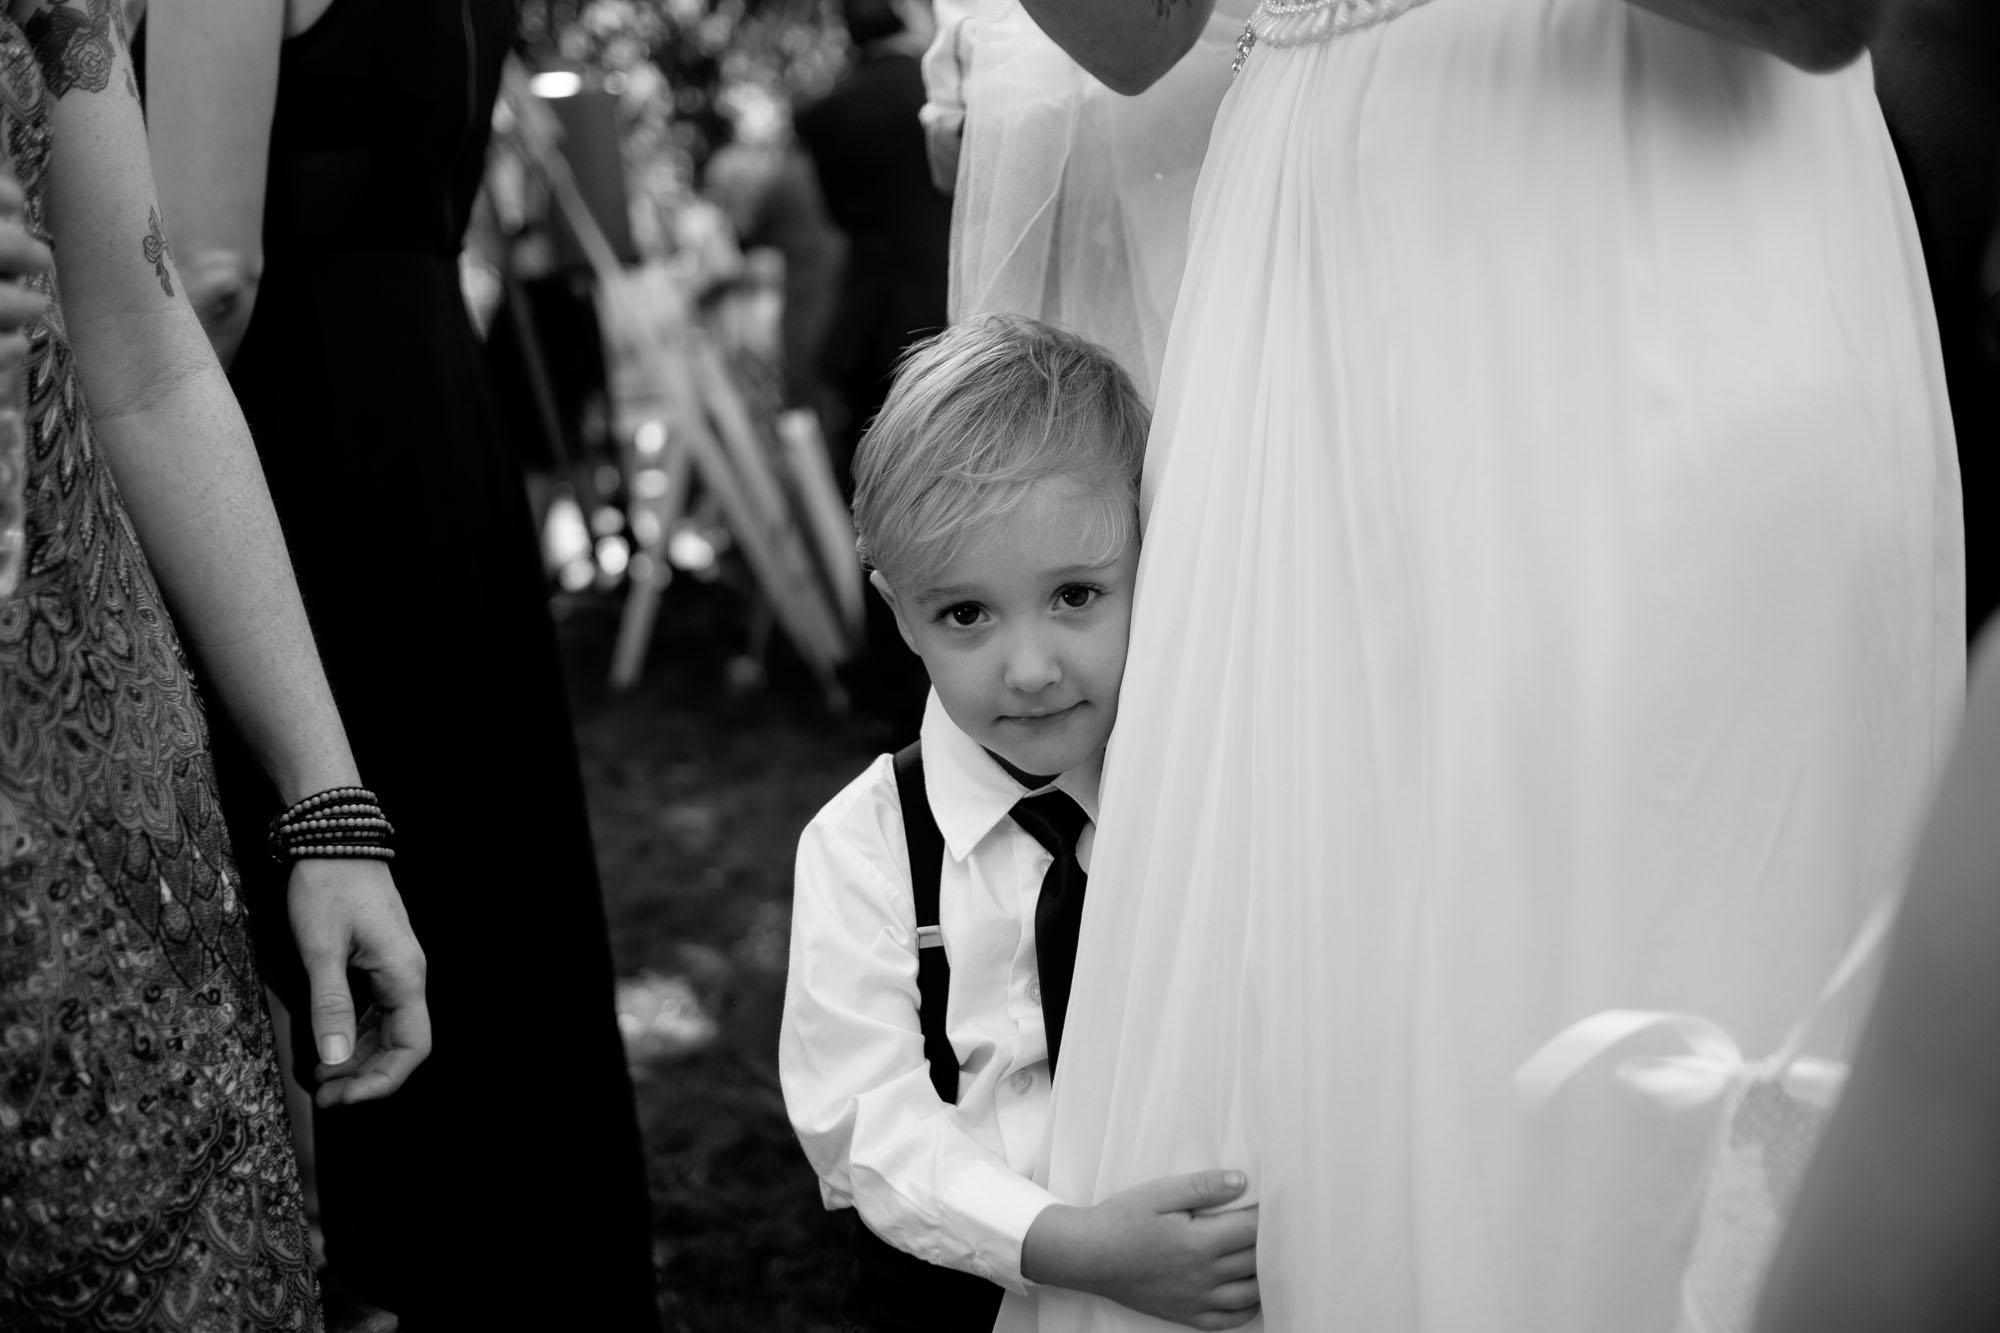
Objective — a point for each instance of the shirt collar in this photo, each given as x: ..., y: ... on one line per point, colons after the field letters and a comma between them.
x: 970, y: 793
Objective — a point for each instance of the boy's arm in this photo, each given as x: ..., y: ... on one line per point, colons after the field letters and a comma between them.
x: 851, y: 1058
x: 858, y: 1091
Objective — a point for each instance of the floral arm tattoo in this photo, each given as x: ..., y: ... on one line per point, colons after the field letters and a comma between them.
x: 154, y: 246
x: 74, y: 44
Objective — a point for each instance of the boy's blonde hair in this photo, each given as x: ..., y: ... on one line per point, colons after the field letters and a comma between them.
x: 976, y: 417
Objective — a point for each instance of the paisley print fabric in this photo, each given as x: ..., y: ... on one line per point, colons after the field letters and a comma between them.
x: 146, y: 1172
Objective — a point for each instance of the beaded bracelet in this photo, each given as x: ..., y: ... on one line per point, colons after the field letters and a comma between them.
x: 342, y: 822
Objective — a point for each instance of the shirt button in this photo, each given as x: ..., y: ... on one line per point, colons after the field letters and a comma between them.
x: 1023, y: 1080
x: 1035, y: 990
x: 981, y: 1267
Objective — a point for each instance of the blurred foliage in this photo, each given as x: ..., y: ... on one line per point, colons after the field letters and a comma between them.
x: 691, y: 74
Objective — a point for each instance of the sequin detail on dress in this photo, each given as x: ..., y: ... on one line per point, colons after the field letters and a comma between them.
x: 1303, y: 22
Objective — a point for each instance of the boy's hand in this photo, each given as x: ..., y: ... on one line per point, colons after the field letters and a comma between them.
x: 1152, y: 1248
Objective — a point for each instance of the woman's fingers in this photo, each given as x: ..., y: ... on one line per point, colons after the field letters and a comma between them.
x: 21, y: 255
x: 20, y: 307
x: 351, y: 931
x: 392, y: 1039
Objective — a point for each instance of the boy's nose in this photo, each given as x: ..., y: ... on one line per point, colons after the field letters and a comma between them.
x: 1030, y: 666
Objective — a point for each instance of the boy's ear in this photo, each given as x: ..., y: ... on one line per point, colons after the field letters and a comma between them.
x: 881, y: 585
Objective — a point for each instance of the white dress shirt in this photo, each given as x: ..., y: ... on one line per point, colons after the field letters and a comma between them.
x: 954, y: 1185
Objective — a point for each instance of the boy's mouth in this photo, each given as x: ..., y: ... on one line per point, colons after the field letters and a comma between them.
x: 1044, y: 718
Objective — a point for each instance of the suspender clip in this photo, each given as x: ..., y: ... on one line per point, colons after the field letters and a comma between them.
x: 930, y: 937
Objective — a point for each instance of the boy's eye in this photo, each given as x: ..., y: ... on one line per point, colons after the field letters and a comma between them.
x: 1076, y: 596
x: 964, y: 615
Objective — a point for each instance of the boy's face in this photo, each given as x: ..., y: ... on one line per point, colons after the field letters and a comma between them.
x: 1024, y: 632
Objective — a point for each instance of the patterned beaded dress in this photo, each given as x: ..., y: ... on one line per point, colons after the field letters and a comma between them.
x: 146, y: 1173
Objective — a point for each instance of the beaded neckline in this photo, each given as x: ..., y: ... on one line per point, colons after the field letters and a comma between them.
x: 1303, y: 22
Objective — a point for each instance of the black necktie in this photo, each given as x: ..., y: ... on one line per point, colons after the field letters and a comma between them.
x: 1056, y: 821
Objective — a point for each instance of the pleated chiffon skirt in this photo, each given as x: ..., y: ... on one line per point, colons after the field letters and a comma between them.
x: 1551, y: 602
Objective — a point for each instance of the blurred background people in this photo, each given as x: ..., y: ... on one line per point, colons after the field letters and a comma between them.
x: 146, y: 1173
x: 319, y: 161
x: 867, y: 147
x: 769, y: 192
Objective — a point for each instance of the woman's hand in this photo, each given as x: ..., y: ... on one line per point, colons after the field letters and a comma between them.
x: 942, y: 138
x: 347, y: 916
x: 1125, y: 44
x: 1815, y: 35
x: 21, y: 256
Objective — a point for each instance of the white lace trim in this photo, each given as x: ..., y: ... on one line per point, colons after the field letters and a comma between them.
x: 1303, y: 22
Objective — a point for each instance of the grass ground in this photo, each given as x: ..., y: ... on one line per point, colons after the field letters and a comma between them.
x: 697, y: 793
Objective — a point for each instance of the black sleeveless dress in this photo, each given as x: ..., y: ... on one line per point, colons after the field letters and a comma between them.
x: 503, y: 1186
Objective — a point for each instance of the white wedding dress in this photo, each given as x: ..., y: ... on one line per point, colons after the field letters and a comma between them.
x: 1551, y: 602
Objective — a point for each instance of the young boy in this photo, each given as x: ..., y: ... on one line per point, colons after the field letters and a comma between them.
x: 938, y: 897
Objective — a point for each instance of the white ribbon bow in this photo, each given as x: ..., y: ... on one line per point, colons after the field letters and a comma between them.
x: 1708, y: 1070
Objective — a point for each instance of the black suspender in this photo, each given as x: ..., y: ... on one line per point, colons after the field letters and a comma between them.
x: 926, y: 844
x: 890, y: 1291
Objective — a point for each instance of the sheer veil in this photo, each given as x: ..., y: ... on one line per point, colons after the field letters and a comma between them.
x: 1072, y: 201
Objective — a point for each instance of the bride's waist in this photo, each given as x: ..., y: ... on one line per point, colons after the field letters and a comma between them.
x: 1302, y: 22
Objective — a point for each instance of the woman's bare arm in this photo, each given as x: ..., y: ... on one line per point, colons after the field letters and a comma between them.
x: 1815, y: 35
x: 177, y: 444
x: 1125, y: 44
x: 211, y: 86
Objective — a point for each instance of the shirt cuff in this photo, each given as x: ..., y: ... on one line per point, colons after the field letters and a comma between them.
x: 995, y: 1207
